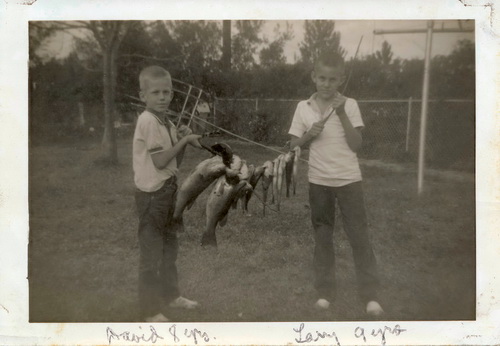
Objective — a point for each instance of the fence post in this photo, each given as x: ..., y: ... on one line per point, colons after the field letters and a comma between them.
x: 256, y: 105
x: 408, y: 124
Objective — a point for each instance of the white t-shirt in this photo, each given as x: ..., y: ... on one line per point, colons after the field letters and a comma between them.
x: 152, y: 136
x: 331, y: 161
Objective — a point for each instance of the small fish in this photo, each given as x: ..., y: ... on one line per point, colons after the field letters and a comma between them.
x: 296, y: 160
x: 218, y: 204
x: 267, y: 180
x: 280, y: 176
x: 255, y: 175
x: 276, y: 164
x: 289, y: 160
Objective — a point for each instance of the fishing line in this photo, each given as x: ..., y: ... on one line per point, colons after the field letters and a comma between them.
x: 264, y: 203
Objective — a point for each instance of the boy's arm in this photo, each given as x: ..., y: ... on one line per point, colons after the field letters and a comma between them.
x: 162, y: 158
x: 306, y: 137
x: 352, y: 134
x: 182, y: 132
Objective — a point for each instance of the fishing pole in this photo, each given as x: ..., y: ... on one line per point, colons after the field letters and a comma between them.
x: 347, y: 81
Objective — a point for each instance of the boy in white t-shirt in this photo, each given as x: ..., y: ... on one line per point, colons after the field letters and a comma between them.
x: 158, y: 149
x: 332, y: 124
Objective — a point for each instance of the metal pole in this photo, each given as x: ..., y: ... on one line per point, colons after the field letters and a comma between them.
x: 425, y: 99
x: 194, y: 108
x: 184, y: 105
x: 408, y: 124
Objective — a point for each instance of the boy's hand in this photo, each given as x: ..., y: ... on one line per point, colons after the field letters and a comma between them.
x: 339, y: 103
x: 193, y: 140
x: 316, y: 129
x: 183, y: 131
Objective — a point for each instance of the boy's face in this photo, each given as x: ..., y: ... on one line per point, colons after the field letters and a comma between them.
x: 327, y: 80
x: 157, y: 94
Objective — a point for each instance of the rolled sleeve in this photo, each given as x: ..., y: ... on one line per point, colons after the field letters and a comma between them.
x: 298, y: 127
x: 353, y: 112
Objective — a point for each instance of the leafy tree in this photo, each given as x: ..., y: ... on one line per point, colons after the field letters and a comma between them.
x: 319, y: 35
x: 274, y: 55
x: 199, y: 45
x: 384, y: 55
x: 108, y: 35
x: 245, y: 43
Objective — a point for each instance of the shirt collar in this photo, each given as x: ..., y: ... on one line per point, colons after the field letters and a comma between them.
x: 162, y: 120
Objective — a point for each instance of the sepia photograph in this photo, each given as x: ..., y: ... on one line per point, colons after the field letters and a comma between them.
x: 187, y: 178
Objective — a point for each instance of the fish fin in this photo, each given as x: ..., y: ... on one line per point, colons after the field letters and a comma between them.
x: 190, y: 204
x: 223, y: 221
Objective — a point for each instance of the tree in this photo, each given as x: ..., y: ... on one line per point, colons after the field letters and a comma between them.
x: 245, y: 42
x: 384, y: 55
x: 273, y: 55
x: 108, y: 35
x: 198, y: 43
x: 226, y: 45
x: 319, y: 35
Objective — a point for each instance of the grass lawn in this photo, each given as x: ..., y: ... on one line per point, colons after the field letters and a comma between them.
x: 83, y: 251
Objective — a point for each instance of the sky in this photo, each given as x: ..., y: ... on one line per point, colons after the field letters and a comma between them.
x: 404, y: 46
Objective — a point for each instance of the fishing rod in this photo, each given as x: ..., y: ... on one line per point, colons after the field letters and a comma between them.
x: 347, y: 81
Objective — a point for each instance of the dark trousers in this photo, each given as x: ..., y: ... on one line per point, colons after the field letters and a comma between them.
x: 351, y: 202
x: 158, y: 248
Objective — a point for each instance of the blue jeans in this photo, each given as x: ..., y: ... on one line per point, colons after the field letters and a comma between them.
x: 351, y: 202
x: 158, y: 248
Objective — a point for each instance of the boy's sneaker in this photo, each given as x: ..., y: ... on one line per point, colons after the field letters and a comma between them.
x: 373, y: 308
x: 184, y: 303
x: 157, y: 318
x: 322, y: 304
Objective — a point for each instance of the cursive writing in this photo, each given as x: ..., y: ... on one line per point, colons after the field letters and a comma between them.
x: 195, y: 334
x: 129, y: 336
x: 313, y: 337
x: 360, y: 332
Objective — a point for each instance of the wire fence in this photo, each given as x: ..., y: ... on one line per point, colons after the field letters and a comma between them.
x: 391, y: 132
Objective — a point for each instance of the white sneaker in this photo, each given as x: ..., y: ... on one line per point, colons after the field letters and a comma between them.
x: 157, y: 318
x: 322, y: 304
x: 184, y: 303
x: 373, y: 308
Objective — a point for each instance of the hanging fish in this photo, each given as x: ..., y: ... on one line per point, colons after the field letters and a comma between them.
x: 205, y: 173
x: 267, y: 180
x: 296, y: 160
x: 276, y: 164
x: 255, y: 175
x: 280, y: 176
x: 218, y: 204
x: 289, y: 170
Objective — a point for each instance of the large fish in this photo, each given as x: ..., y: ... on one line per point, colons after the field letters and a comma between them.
x: 218, y: 204
x: 267, y: 180
x: 205, y: 173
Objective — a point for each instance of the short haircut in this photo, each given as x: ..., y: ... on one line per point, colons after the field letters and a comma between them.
x: 330, y: 58
x: 152, y: 72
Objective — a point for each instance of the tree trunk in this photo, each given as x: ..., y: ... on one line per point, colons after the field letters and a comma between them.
x: 109, y: 148
x: 226, y: 45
